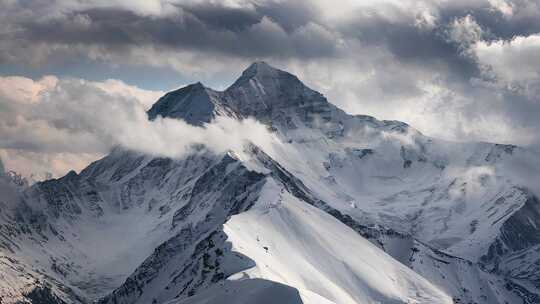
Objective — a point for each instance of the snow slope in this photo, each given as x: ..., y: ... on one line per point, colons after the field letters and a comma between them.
x: 247, y: 291
x: 299, y: 245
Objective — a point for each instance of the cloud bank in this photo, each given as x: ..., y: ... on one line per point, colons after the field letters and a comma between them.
x: 61, y: 124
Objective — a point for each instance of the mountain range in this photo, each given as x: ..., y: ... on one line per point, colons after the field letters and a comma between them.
x: 339, y: 208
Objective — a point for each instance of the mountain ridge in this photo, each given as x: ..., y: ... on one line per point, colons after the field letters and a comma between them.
x: 269, y: 95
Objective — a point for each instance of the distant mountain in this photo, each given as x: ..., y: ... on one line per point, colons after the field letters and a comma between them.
x: 343, y: 209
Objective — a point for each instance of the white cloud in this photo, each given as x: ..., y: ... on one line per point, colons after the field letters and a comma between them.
x: 465, y: 31
x: 515, y: 62
x: 117, y: 87
x: 75, y: 121
x: 25, y: 90
x: 506, y: 8
x: 37, y: 165
x: 475, y: 181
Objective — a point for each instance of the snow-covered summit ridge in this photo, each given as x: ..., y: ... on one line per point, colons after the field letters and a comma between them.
x: 272, y: 96
x: 260, y: 88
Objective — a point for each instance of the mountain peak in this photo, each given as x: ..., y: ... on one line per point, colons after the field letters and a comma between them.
x: 271, y: 94
x: 194, y: 103
x: 262, y: 75
x: 261, y: 79
x: 197, y: 86
x: 259, y: 68
x: 262, y: 91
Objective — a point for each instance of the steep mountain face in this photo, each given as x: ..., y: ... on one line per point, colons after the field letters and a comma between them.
x: 343, y: 209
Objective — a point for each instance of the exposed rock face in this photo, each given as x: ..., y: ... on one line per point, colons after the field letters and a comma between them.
x: 195, y: 104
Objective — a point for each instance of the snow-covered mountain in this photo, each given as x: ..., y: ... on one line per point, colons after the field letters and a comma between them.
x: 340, y: 209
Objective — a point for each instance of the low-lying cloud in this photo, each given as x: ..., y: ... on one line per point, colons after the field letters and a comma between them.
x: 66, y: 118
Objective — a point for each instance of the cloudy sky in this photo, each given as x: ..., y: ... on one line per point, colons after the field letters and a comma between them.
x: 455, y: 69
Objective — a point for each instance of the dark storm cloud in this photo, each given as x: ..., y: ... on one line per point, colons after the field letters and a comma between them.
x: 289, y: 14
x: 268, y: 29
x: 524, y: 21
x: 410, y: 43
x: 432, y: 47
x: 258, y: 31
x: 221, y: 17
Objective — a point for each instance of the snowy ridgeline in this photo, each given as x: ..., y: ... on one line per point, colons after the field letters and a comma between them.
x: 333, y: 208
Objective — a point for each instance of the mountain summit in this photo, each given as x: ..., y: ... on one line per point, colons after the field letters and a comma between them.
x: 260, y: 70
x: 194, y: 103
x: 272, y: 96
x: 266, y: 82
x: 262, y: 92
